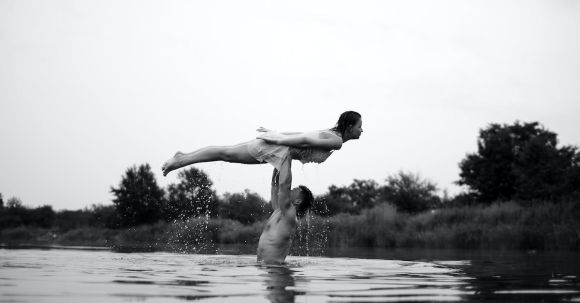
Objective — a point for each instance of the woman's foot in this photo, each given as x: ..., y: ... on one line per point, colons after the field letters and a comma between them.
x: 172, y: 163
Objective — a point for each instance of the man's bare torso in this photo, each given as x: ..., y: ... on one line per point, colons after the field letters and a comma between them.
x: 276, y: 238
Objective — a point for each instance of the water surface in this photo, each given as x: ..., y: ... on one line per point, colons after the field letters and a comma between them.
x: 355, y: 275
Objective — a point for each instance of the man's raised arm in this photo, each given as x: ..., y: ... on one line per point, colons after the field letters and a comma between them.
x: 274, y: 190
x: 285, y: 178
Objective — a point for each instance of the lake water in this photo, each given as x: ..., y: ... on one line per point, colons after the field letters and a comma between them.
x: 354, y: 275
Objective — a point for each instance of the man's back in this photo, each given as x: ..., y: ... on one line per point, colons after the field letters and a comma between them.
x: 276, y: 238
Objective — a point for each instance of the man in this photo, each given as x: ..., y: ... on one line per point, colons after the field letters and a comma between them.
x: 277, y: 235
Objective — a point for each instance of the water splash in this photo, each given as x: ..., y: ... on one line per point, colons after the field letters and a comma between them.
x: 312, y: 233
x: 192, y: 234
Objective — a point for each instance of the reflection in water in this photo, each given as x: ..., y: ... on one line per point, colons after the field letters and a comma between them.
x: 35, y: 275
x: 279, y: 280
x: 525, y: 276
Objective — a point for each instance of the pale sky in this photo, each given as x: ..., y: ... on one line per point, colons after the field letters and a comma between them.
x: 90, y: 88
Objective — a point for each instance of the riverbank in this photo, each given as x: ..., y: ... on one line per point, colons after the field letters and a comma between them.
x: 543, y: 226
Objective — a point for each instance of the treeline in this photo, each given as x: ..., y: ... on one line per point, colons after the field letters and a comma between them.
x: 246, y: 208
x: 15, y: 214
x: 520, y: 164
x: 140, y: 201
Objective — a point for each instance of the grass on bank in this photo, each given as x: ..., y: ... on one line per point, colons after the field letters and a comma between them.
x: 498, y: 226
x: 541, y: 226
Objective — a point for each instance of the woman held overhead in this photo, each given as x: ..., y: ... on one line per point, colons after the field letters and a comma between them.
x: 273, y: 147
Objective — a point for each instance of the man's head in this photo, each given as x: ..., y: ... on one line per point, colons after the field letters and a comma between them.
x: 301, y: 197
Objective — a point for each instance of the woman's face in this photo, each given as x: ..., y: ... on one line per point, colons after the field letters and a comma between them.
x: 356, y: 130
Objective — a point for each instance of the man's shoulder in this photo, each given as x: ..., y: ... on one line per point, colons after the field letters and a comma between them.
x: 288, y: 210
x: 289, y: 216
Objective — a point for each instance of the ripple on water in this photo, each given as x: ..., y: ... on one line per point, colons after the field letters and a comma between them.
x: 54, y: 276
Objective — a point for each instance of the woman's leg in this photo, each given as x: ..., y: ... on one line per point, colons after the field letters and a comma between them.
x: 234, y: 154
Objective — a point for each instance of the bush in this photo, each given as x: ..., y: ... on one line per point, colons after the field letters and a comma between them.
x: 409, y: 193
x: 20, y: 235
x: 86, y: 236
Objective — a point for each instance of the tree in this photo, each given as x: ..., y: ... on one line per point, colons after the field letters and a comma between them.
x: 102, y: 216
x: 409, y: 193
x: 71, y: 219
x: 520, y: 161
x: 138, y: 199
x: 1, y: 201
x: 14, y: 202
x: 246, y: 207
x: 191, y: 197
x: 42, y: 216
x: 358, y: 195
x: 14, y: 214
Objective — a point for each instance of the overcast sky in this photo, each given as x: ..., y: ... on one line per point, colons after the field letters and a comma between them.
x: 90, y: 88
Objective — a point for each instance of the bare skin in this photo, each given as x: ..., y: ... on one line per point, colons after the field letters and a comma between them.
x: 278, y: 233
x: 325, y: 139
x: 235, y: 154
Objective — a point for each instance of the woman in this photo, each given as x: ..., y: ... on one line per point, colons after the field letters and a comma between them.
x: 273, y: 147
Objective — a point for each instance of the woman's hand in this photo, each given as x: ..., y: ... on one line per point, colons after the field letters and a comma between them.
x: 263, y: 129
x: 270, y: 138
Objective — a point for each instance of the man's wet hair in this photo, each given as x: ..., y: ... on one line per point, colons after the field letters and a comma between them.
x: 307, y: 200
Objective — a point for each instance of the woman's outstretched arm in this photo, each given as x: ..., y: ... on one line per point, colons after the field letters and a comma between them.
x: 265, y: 130
x: 305, y: 140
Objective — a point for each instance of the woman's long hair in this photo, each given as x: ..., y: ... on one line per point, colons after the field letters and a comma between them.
x: 345, y: 120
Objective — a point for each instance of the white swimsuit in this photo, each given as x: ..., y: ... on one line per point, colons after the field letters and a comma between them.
x: 275, y: 154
